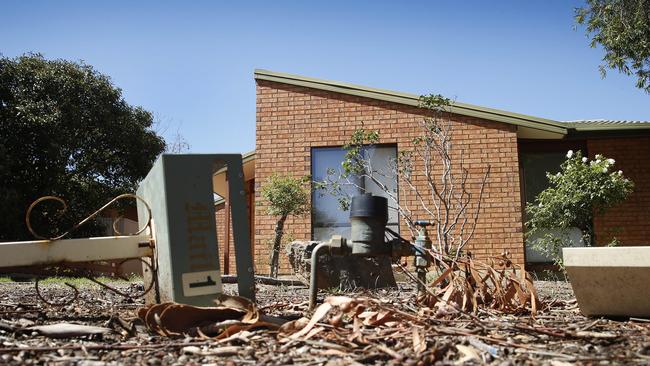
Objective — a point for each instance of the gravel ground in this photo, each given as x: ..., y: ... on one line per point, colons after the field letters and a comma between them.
x: 601, y: 341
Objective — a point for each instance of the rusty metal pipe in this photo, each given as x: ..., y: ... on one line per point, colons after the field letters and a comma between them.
x: 313, y: 279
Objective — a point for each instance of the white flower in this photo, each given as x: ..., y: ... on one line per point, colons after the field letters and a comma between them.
x: 611, y: 161
x: 620, y: 172
x: 584, y: 159
x: 540, y: 204
x: 605, y: 170
x: 569, y: 154
x: 597, y: 161
x: 558, y: 174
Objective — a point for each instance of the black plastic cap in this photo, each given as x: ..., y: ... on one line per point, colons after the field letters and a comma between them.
x: 367, y: 205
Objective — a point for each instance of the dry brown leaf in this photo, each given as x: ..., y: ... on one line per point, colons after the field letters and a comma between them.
x: 419, y: 341
x: 368, y: 317
x: 376, y: 318
x: 470, y: 284
x: 142, y: 312
x: 234, y: 302
x: 243, y: 327
x: 560, y: 363
x: 331, y: 352
x: 319, y: 314
x: 442, y: 277
x: 389, y: 352
x: 589, y: 334
x: 67, y: 330
x: 220, y: 351
x: 313, y: 332
x: 178, y: 319
x: 152, y: 317
x: 232, y: 314
x: 340, y: 301
x: 469, y: 353
x: 336, y: 320
x: 356, y: 335
x: 293, y: 326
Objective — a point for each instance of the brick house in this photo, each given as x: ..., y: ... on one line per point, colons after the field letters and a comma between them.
x: 303, y: 122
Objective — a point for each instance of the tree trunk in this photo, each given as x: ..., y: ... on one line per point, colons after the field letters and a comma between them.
x: 275, y: 254
x: 591, y: 231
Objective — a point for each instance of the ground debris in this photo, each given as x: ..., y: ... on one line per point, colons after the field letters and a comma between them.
x: 229, y: 316
x: 67, y: 330
x: 376, y: 327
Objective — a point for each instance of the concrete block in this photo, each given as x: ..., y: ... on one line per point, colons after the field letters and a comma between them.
x: 611, y: 281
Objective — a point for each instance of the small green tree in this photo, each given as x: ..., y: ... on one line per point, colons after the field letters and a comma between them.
x: 582, y: 189
x: 622, y: 29
x: 286, y: 196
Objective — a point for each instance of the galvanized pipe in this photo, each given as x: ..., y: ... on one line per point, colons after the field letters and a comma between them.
x: 313, y: 280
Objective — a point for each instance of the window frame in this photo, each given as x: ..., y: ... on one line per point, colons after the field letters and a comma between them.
x: 340, y: 147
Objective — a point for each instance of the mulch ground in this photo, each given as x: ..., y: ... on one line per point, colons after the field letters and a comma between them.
x: 558, y: 335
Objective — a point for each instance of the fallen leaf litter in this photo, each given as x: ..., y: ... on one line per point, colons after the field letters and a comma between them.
x: 390, y: 326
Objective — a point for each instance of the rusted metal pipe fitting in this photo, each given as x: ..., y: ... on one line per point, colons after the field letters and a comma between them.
x: 336, y: 246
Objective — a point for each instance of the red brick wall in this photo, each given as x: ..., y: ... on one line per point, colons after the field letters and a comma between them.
x: 630, y: 221
x: 292, y: 119
x: 220, y: 216
x: 220, y: 211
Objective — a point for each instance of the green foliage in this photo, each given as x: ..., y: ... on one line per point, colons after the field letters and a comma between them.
x: 622, y: 28
x: 436, y: 103
x: 286, y: 195
x: 580, y: 190
x: 65, y: 130
x: 354, y: 161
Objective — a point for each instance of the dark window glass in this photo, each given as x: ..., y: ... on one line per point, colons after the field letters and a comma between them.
x: 327, y: 217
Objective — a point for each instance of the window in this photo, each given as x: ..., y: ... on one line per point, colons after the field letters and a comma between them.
x: 327, y: 217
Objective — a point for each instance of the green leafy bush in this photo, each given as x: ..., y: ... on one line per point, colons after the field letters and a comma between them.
x: 583, y: 188
x: 286, y: 196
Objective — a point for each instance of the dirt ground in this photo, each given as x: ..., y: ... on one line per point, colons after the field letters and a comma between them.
x: 558, y: 335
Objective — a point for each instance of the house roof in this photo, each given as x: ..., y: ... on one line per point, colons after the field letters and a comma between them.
x: 528, y: 126
x: 606, y: 124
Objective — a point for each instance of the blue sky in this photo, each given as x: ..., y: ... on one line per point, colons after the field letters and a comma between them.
x: 192, y: 62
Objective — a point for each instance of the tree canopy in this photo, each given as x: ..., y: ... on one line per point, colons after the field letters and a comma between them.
x: 66, y: 130
x: 622, y: 28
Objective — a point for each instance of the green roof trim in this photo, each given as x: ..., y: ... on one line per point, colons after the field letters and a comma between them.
x: 413, y: 100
